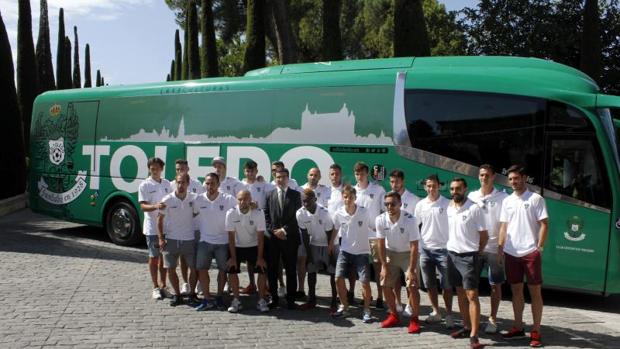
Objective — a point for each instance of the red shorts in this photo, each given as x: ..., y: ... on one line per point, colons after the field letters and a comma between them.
x: 529, y: 265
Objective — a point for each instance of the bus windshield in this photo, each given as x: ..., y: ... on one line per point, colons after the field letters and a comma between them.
x: 612, y: 127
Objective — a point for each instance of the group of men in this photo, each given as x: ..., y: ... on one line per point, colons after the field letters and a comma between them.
x: 345, y: 230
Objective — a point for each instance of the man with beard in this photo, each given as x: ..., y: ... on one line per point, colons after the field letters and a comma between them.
x: 466, y: 241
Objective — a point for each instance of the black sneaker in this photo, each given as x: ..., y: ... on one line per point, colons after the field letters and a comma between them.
x: 300, y: 296
x: 462, y: 333
x: 192, y: 301
x: 219, y: 302
x: 351, y: 297
x: 379, y: 303
x: 175, y: 300
x: 474, y: 343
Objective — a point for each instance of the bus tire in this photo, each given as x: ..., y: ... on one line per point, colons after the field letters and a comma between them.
x: 122, y: 223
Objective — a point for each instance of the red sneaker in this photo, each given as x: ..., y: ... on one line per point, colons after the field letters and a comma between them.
x: 535, y: 339
x: 307, y: 306
x: 474, y: 343
x: 514, y: 333
x: 414, y: 325
x: 250, y: 289
x: 391, y: 321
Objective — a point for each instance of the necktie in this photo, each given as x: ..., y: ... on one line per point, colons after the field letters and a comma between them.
x: 281, y: 199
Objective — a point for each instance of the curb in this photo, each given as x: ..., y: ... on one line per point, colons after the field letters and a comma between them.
x: 12, y: 204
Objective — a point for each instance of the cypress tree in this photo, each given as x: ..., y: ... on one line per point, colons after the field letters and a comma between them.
x: 27, y: 84
x: 98, y: 79
x: 60, y: 52
x: 102, y: 81
x: 87, y: 78
x: 410, y: 34
x: 168, y: 77
x: 67, y: 62
x: 12, y: 153
x: 193, y: 53
x: 77, y: 75
x: 171, y: 74
x: 185, y: 66
x: 591, y: 56
x: 44, y: 52
x: 331, y: 39
x: 208, y: 60
x: 255, y: 35
x: 178, y: 57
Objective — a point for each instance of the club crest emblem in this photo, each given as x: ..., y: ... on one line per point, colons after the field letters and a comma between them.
x: 228, y: 187
x: 258, y: 190
x: 574, y: 229
x: 221, y: 207
x: 360, y: 223
x: 318, y: 195
x: 526, y: 205
x: 405, y: 205
x: 440, y: 210
x: 372, y: 196
x: 57, y: 150
x: 464, y: 218
x: 402, y: 230
x: 251, y: 222
x: 320, y: 221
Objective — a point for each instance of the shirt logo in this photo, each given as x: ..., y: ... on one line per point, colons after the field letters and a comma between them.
x: 464, y: 218
x: 405, y: 205
x: 372, y: 196
x: 258, y: 190
x: 193, y: 190
x: 440, y: 210
x: 166, y: 190
x: 526, y: 205
x: 251, y: 222
x: 360, y: 223
x: 228, y: 187
x: 402, y: 230
x: 318, y: 195
x: 221, y: 207
x: 320, y: 222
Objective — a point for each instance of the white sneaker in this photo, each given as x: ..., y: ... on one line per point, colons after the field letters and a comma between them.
x: 185, y: 288
x: 156, y: 294
x: 433, y: 317
x: 262, y: 306
x: 491, y: 328
x: 341, y: 312
x: 408, y: 311
x: 399, y: 308
x: 227, y: 288
x: 235, y: 306
x: 199, y: 288
x: 281, y: 291
x: 449, y: 321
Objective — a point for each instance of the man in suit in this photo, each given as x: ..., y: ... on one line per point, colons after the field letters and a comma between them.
x: 281, y: 222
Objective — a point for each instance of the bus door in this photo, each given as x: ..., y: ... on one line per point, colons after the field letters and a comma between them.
x: 60, y: 139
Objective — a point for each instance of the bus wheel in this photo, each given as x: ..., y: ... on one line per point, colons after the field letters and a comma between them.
x: 122, y: 224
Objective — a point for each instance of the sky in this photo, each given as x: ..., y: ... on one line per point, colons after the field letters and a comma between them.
x: 131, y: 41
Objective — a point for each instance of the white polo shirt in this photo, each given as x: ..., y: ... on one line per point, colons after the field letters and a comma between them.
x: 397, y: 235
x: 371, y: 198
x: 409, y: 200
x: 491, y: 206
x: 522, y: 215
x: 316, y: 224
x: 259, y: 191
x: 178, y: 217
x: 322, y: 192
x: 212, y: 217
x: 465, y: 225
x: 434, y: 219
x: 335, y: 200
x: 354, y: 230
x: 245, y: 225
x: 230, y: 186
x: 152, y: 192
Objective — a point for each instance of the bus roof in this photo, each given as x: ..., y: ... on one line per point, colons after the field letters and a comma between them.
x: 430, y: 72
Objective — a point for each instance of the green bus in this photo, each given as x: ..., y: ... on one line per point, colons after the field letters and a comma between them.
x: 444, y: 115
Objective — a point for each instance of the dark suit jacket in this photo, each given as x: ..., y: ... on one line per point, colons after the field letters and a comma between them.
x: 286, y: 219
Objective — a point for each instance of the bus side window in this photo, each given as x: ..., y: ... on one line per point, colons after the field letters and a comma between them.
x: 575, y: 171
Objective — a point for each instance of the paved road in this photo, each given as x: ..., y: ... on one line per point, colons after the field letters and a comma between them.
x: 67, y: 285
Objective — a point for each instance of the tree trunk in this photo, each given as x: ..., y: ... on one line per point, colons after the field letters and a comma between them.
x: 331, y: 40
x: 12, y: 153
x: 44, y: 52
x: 410, y: 34
x: 287, y: 45
x: 209, y: 64
x: 255, y: 36
x: 27, y: 82
x: 590, y: 57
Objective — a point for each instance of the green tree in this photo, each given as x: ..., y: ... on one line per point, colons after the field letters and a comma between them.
x: 60, y: 54
x: 77, y: 74
x: 27, y: 82
x: 44, y: 52
x: 185, y: 62
x: 87, y: 76
x: 178, y: 57
x: 12, y: 153
x: 102, y: 81
x: 67, y: 62
x: 286, y: 42
x: 410, y: 34
x: 590, y: 60
x: 171, y: 74
x: 98, y: 78
x: 209, y: 65
x: 254, y: 56
x: 193, y: 57
x: 331, y: 42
